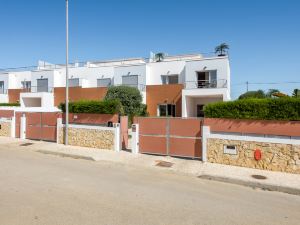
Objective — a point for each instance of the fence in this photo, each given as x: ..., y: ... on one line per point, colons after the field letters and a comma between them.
x: 261, y: 144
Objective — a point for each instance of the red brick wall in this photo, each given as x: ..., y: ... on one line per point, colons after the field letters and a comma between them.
x: 163, y: 94
x: 78, y: 93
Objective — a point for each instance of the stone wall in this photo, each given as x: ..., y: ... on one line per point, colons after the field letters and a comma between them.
x: 84, y: 137
x: 275, y: 157
x: 5, y: 130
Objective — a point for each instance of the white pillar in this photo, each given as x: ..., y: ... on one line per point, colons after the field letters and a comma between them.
x: 135, y: 139
x: 205, y: 135
x: 59, y: 125
x: 23, y: 127
x: 118, y: 143
x: 13, y: 127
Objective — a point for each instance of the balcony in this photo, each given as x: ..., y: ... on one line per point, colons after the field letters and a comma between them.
x: 204, y: 84
x: 38, y: 89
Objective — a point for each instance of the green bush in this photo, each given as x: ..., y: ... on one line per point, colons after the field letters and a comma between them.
x: 266, y: 109
x: 130, y: 98
x: 9, y: 104
x: 253, y: 94
x: 100, y: 107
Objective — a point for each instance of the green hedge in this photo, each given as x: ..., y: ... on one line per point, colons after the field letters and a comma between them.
x: 9, y: 104
x: 266, y: 109
x: 99, y: 107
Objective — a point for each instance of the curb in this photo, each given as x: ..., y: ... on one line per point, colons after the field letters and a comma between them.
x: 73, y: 156
x: 252, y: 184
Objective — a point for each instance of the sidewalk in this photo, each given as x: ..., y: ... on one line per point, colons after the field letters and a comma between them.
x: 275, y: 181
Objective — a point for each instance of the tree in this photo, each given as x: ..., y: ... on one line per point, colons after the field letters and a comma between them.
x: 130, y: 98
x: 159, y: 56
x: 221, y: 49
x: 296, y: 93
x: 253, y: 94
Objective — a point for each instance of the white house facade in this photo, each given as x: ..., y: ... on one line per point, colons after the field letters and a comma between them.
x: 173, y: 86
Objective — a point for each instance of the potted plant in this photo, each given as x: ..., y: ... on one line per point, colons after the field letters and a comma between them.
x: 159, y: 56
x: 221, y: 49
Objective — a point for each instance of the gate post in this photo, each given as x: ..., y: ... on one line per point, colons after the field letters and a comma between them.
x: 205, y: 134
x: 13, y: 127
x: 59, y: 125
x: 135, y: 139
x: 23, y: 126
x: 117, y: 140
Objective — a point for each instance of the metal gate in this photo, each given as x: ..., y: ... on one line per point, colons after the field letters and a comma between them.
x: 170, y: 136
x: 41, y: 125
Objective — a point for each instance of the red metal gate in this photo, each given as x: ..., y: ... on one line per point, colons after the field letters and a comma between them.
x: 41, y: 125
x: 170, y: 136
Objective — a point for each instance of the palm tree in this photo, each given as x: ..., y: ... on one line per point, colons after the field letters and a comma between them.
x: 159, y: 56
x: 221, y: 49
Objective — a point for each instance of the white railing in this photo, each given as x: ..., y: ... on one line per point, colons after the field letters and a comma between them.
x: 36, y: 89
x: 221, y: 83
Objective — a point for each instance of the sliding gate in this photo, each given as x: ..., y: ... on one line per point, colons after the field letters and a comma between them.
x: 41, y: 125
x: 170, y: 136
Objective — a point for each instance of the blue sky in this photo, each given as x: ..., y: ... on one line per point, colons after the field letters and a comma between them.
x: 264, y: 36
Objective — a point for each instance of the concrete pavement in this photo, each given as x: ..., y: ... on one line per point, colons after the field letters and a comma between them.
x: 275, y: 181
x: 46, y: 189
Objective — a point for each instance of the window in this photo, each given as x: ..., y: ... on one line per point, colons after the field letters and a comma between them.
x: 74, y: 82
x: 26, y: 85
x: 167, y: 110
x: 104, y: 82
x: 207, y: 79
x: 42, y: 85
x: 130, y: 80
x: 1, y: 87
x: 169, y: 79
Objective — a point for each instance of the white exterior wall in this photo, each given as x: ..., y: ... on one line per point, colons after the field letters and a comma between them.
x: 221, y: 64
x: 156, y: 69
x: 5, y: 77
x: 51, y: 75
x: 139, y: 70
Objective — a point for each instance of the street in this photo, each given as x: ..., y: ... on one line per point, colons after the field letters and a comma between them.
x: 51, y: 190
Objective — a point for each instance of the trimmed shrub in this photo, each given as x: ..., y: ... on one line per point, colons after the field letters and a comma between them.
x: 264, y: 109
x: 9, y: 104
x: 130, y: 98
x: 99, y: 107
x: 253, y: 94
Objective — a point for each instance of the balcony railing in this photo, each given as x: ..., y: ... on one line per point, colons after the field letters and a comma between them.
x: 221, y: 83
x: 141, y: 87
x: 3, y: 91
x: 37, y: 89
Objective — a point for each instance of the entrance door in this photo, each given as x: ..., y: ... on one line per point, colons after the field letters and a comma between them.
x: 200, y: 111
x: 42, y: 85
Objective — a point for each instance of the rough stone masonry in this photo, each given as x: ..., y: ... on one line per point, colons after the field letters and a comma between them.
x: 275, y: 157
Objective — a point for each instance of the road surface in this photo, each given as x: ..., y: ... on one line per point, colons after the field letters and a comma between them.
x: 44, y: 189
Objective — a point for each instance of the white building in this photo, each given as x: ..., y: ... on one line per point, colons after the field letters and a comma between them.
x: 174, y: 86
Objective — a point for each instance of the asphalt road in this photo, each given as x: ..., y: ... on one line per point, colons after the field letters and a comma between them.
x: 43, y: 189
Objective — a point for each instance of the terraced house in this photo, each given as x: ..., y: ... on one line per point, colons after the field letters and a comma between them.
x: 171, y: 86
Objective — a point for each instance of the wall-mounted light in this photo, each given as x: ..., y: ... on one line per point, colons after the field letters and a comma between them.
x: 128, y: 74
x: 204, y: 68
x: 168, y: 72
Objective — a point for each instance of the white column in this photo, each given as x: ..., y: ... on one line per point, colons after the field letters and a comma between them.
x: 59, y: 125
x: 13, y: 127
x: 135, y: 139
x: 23, y: 127
x: 118, y: 143
x: 205, y: 135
